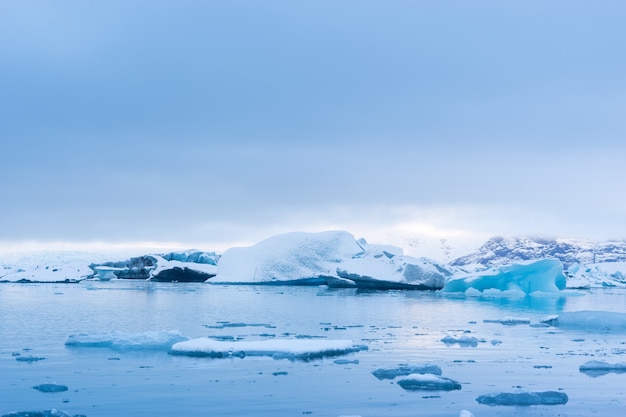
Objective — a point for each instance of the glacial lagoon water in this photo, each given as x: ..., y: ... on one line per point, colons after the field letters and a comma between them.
x: 398, y: 328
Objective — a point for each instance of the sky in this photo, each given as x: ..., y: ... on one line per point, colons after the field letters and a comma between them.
x: 213, y: 124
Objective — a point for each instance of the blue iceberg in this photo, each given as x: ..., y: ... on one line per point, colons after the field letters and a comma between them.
x: 545, y: 275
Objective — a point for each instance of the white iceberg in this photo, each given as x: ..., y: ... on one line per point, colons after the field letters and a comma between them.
x: 586, y: 319
x: 277, y: 348
x: 334, y: 258
x: 291, y: 258
x: 545, y: 275
x: 150, y: 340
x: 47, y: 266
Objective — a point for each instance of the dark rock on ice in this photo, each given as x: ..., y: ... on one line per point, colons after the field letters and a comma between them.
x: 524, y: 398
x: 177, y: 274
x: 50, y: 388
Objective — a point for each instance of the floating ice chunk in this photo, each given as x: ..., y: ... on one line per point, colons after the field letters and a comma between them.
x: 50, y: 388
x: 592, y: 320
x: 597, y: 368
x: 524, y: 398
x: 545, y: 275
x: 428, y: 382
x: 463, y: 340
x: 278, y: 348
x: 510, y: 321
x: 151, y: 340
x: 407, y: 370
x: 45, y: 413
x: 29, y: 359
x: 465, y: 413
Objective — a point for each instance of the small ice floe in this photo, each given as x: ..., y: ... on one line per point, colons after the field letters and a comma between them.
x: 29, y: 359
x: 465, y: 413
x: 45, y: 413
x: 524, y: 398
x: 303, y: 349
x: 50, y: 388
x: 407, y: 370
x: 346, y: 362
x: 462, y: 341
x: 588, y: 320
x: 428, y: 382
x: 510, y: 321
x: 598, y: 368
x: 151, y: 340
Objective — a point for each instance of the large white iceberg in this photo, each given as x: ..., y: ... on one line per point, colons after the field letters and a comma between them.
x: 276, y: 348
x: 333, y: 257
x: 292, y: 258
x: 545, y: 275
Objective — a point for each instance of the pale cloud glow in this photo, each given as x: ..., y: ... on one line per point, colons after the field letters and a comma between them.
x: 219, y: 124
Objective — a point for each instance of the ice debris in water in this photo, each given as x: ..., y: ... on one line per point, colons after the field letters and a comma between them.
x: 49, y: 388
x: 428, y: 382
x: 598, y: 368
x: 29, y: 359
x: 524, y: 398
x: 45, y: 413
x: 463, y: 340
x: 545, y: 275
x: 277, y: 348
x: 510, y: 321
x: 406, y: 370
x: 465, y: 413
x: 151, y: 340
x: 592, y: 320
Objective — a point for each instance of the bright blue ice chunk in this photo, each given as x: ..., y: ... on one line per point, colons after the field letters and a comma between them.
x: 545, y: 275
x: 407, y: 370
x: 524, y: 398
x: 50, y: 388
x: 151, y: 340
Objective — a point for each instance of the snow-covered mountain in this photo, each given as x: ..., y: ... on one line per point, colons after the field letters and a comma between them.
x: 500, y: 251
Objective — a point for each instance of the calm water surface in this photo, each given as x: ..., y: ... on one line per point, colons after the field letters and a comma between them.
x: 398, y: 327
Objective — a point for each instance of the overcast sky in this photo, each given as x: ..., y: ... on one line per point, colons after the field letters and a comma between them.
x: 221, y: 123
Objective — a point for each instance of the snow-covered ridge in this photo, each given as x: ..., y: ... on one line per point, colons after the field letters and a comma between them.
x: 499, y: 251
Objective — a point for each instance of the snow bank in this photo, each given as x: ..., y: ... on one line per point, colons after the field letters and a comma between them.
x: 151, y: 340
x: 47, y: 266
x: 545, y: 275
x: 277, y: 348
x: 524, y: 398
x: 591, y: 320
